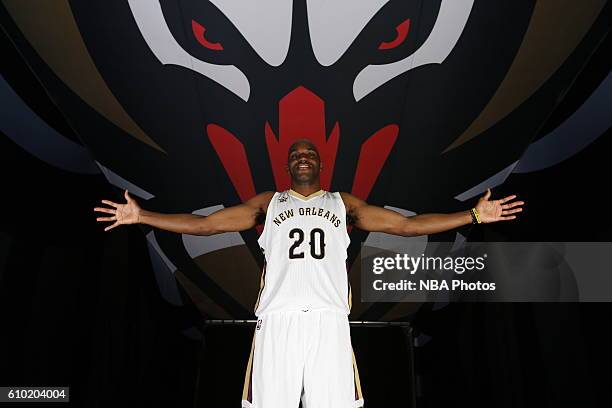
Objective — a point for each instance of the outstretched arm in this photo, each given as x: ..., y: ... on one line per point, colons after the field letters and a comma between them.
x: 377, y: 219
x: 232, y: 219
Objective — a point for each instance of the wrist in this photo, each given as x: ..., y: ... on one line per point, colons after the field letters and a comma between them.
x: 475, y: 216
x: 468, y: 217
x: 140, y: 216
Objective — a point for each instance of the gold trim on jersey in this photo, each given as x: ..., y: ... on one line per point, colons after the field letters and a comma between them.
x: 359, y: 395
x: 262, y: 283
x: 248, y: 376
x: 306, y: 198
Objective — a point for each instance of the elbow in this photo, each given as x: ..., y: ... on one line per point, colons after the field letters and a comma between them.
x: 402, y: 231
x: 411, y: 232
x: 204, y: 232
x: 410, y: 229
x: 200, y: 232
x: 203, y: 228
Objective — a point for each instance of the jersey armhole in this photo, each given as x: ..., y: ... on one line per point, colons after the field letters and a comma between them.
x: 260, y: 239
x: 346, y: 234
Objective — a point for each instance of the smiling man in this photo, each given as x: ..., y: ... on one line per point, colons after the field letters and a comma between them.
x: 302, y: 347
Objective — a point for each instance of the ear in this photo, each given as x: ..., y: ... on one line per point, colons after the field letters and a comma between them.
x: 320, y: 166
x: 287, y: 168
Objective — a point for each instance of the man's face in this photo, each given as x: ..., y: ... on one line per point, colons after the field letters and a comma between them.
x: 304, y: 163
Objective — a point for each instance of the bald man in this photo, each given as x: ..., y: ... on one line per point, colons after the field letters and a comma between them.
x: 301, y: 347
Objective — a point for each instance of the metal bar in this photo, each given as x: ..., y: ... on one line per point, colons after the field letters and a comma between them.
x: 414, y: 392
x: 362, y: 323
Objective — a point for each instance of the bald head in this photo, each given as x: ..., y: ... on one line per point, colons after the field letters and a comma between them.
x: 303, y: 162
x: 302, y: 142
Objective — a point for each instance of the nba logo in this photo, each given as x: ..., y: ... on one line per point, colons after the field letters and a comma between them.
x: 258, y: 324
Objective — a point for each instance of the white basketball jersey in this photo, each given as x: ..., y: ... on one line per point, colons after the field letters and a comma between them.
x: 304, y: 243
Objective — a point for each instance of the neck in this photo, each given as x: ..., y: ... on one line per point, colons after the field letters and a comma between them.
x: 305, y: 189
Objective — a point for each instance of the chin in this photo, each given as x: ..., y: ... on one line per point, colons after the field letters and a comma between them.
x: 303, y: 178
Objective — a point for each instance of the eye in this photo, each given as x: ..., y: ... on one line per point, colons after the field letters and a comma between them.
x: 198, y: 31
x: 401, y: 34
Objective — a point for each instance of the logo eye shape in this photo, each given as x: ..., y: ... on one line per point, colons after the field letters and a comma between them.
x: 401, y: 34
x: 198, y: 31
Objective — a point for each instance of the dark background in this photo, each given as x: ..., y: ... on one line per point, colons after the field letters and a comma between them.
x: 80, y: 307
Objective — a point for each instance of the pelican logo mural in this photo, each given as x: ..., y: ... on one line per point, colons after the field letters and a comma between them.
x: 191, y: 105
x: 320, y: 43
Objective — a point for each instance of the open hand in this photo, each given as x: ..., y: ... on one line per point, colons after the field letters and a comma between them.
x: 127, y: 213
x: 497, y: 210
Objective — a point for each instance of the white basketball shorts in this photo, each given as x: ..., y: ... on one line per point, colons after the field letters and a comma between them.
x: 303, y: 355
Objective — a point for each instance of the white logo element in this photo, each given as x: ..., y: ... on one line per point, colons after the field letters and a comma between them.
x: 265, y: 24
x: 334, y: 25
x: 197, y: 246
x: 150, y: 20
x: 452, y: 18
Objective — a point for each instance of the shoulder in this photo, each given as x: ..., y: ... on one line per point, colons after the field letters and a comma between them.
x: 261, y: 200
x: 350, y: 201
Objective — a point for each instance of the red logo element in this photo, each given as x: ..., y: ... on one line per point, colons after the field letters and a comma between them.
x: 372, y: 157
x: 234, y: 159
x: 302, y: 115
x: 199, y: 33
x: 401, y: 32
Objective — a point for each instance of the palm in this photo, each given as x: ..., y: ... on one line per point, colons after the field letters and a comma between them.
x: 126, y: 213
x: 497, y: 210
x: 120, y: 213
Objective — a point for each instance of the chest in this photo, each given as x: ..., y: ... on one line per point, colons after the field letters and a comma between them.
x: 292, y: 212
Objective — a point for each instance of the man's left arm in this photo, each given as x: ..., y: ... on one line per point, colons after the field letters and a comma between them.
x: 377, y: 219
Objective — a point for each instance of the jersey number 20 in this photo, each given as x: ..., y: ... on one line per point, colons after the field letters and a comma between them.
x: 317, y: 239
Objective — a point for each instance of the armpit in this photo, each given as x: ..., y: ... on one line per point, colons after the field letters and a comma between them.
x: 260, y: 218
x: 350, y: 219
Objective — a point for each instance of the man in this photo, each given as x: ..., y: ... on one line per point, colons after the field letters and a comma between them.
x: 301, y: 347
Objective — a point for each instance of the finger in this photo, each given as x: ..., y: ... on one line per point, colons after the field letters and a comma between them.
x: 112, y: 204
x: 110, y: 227
x: 506, y: 199
x: 106, y: 210
x: 487, y: 194
x: 510, y: 217
x: 507, y: 212
x: 515, y: 203
x: 106, y: 218
x: 126, y: 195
x: 512, y: 205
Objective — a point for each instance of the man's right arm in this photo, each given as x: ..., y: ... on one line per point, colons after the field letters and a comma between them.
x: 232, y: 219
